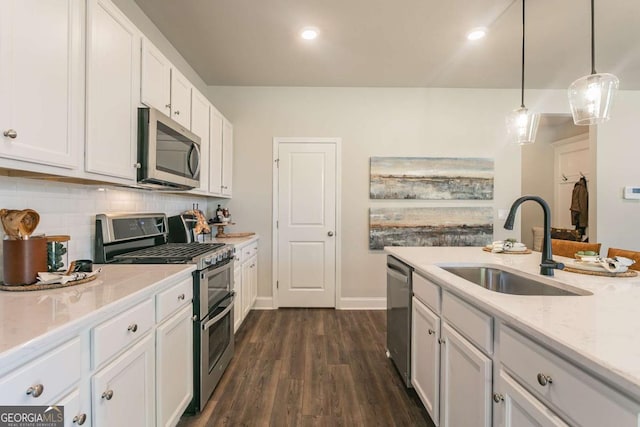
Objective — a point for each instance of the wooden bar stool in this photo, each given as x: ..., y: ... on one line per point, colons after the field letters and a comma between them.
x: 627, y: 254
x: 569, y: 248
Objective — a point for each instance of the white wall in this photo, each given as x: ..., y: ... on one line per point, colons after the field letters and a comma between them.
x: 371, y: 122
x: 71, y: 208
x: 618, y: 156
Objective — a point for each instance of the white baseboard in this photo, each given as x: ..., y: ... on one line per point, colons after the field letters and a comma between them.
x: 363, y: 303
x: 263, y: 303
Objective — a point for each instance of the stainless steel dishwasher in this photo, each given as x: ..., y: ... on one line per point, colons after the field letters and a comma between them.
x: 399, y: 292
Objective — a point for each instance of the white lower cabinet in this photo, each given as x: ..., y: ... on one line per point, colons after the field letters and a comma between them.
x: 521, y: 409
x: 465, y: 393
x: 425, y: 357
x: 123, y: 392
x: 245, y: 277
x: 174, y: 367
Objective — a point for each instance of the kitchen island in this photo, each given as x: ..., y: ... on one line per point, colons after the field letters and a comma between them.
x: 597, y: 333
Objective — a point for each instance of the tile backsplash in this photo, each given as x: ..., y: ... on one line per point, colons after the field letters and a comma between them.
x: 71, y: 208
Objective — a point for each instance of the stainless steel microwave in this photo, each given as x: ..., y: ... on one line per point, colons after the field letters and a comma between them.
x: 168, y: 154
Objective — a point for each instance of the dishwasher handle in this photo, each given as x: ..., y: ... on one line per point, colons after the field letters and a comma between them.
x: 397, y: 275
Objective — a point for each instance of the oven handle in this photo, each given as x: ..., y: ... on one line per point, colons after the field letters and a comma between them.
x: 221, y: 315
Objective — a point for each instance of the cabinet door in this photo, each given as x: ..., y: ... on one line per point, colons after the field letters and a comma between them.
x: 465, y: 375
x: 247, y: 279
x: 254, y: 282
x: 123, y: 392
x: 227, y: 157
x: 75, y: 414
x: 215, y: 153
x: 517, y: 408
x: 425, y: 357
x: 155, y: 83
x: 180, y: 99
x: 237, y: 308
x: 113, y: 79
x: 42, y: 80
x: 174, y: 372
x: 200, y: 126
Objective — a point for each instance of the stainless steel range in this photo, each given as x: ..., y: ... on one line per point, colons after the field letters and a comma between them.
x: 141, y: 239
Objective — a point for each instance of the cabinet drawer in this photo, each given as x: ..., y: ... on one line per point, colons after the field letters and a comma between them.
x: 41, y: 381
x: 115, y: 334
x: 247, y: 251
x: 426, y: 292
x: 172, y: 299
x: 580, y: 397
x: 469, y: 321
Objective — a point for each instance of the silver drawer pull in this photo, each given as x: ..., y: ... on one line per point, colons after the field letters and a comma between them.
x: 10, y: 133
x: 132, y: 327
x: 497, y: 397
x: 431, y: 332
x: 441, y: 341
x: 544, y: 379
x: 80, y: 419
x: 36, y: 390
x: 181, y: 297
x: 107, y: 394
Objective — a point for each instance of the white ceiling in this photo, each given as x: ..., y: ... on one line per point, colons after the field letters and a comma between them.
x: 400, y: 43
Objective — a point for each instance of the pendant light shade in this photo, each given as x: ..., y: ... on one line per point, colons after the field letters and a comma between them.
x: 590, y: 96
x: 522, y: 124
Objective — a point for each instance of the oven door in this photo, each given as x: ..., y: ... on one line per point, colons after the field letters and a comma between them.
x: 217, y: 346
x: 214, y: 284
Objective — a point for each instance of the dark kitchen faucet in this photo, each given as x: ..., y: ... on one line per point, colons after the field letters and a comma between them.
x: 547, y: 264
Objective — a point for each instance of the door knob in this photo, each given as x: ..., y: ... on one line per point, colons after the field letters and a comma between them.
x: 330, y: 233
x: 10, y: 133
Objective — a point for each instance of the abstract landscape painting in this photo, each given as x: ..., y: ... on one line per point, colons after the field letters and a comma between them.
x: 450, y: 226
x: 431, y: 178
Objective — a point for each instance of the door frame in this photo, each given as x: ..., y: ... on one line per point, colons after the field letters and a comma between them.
x: 275, y: 216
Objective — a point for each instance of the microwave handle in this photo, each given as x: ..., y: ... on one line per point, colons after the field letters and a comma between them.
x: 194, y: 147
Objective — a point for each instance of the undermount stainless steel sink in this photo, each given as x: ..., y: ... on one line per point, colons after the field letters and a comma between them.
x: 506, y: 282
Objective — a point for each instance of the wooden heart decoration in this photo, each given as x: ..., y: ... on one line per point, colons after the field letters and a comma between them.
x: 19, y: 224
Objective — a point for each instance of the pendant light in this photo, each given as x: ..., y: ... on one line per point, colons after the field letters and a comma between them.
x: 522, y: 124
x: 590, y: 96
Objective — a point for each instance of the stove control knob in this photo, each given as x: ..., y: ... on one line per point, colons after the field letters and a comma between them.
x: 208, y: 261
x: 219, y: 257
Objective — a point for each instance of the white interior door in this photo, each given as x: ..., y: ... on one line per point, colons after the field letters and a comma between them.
x: 572, y: 160
x: 306, y: 223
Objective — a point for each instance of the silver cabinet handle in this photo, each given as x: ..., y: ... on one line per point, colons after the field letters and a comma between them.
x: 544, y: 379
x: 441, y: 341
x: 177, y: 113
x: 181, y: 297
x: 137, y: 165
x: 168, y: 106
x: 132, y: 327
x: 35, y: 390
x: 431, y: 332
x: 330, y: 234
x: 194, y: 318
x: 80, y: 419
x: 107, y: 394
x: 10, y: 133
x: 497, y: 397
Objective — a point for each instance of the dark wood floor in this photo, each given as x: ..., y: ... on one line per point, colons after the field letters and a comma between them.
x: 311, y: 367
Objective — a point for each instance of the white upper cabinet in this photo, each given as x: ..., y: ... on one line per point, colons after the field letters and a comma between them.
x: 200, y: 126
x: 113, y: 79
x: 227, y: 157
x: 215, y: 153
x: 42, y: 81
x: 180, y: 98
x: 155, y: 83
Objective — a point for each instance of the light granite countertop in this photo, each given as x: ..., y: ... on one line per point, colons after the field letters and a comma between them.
x: 31, y: 321
x: 600, y: 332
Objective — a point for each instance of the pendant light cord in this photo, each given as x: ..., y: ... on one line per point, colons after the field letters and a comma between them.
x: 522, y: 80
x: 593, y: 38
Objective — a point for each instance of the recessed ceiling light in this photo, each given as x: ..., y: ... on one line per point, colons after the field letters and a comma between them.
x: 309, y: 33
x: 477, y: 33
